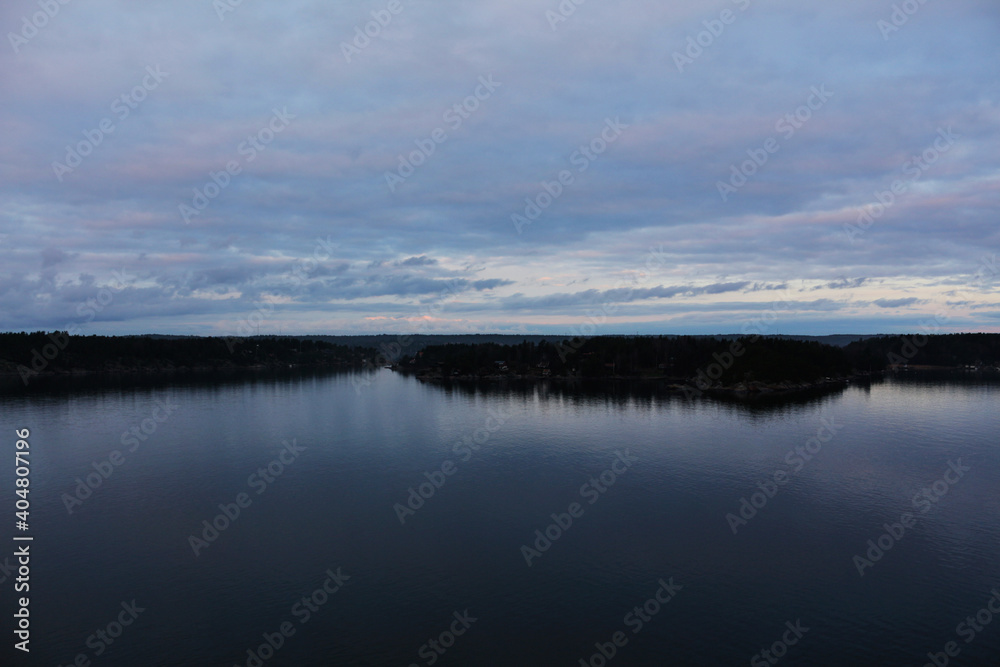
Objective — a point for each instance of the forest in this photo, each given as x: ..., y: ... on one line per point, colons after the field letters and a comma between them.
x: 721, y: 361
x: 29, y: 354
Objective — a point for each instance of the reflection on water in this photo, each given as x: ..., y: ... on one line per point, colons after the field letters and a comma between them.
x: 371, y: 439
x: 82, y: 383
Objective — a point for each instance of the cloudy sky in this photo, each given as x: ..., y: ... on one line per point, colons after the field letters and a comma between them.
x: 692, y: 166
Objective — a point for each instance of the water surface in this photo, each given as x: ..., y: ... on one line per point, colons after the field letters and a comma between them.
x: 367, y: 440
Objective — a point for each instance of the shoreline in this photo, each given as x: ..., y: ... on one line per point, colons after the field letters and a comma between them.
x: 673, y: 385
x: 147, y: 370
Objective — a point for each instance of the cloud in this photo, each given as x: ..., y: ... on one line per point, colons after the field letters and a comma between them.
x: 844, y: 283
x: 491, y: 283
x: 418, y: 261
x: 52, y: 257
x: 619, y: 295
x: 306, y: 217
x: 896, y: 303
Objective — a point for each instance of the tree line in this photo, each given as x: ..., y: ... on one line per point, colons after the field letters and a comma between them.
x: 726, y: 360
x: 59, y: 352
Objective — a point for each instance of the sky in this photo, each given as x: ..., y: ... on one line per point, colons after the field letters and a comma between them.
x: 220, y: 167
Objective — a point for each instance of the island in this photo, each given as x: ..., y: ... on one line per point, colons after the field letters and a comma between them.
x: 745, y: 365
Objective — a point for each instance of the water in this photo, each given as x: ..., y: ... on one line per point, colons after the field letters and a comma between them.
x: 664, y: 519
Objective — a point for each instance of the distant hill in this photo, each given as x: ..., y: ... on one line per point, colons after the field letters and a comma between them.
x: 836, y: 340
x: 417, y: 342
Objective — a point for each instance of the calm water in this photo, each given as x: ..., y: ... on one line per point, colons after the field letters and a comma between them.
x: 330, y: 507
